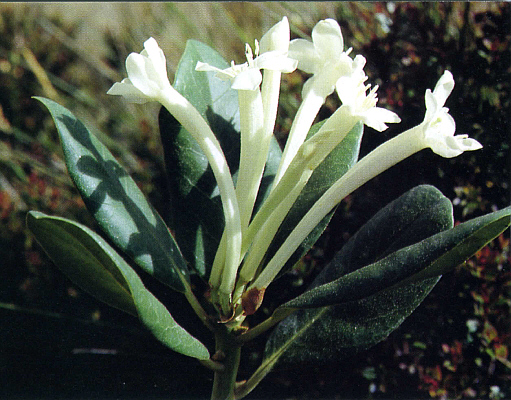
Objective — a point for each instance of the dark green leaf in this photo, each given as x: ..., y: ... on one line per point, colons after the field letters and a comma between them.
x: 197, y: 219
x: 429, y: 258
x: 89, y: 263
x: 95, y: 266
x: 465, y: 240
x: 417, y: 214
x: 365, y: 304
x: 346, y: 328
x: 329, y: 333
x: 116, y: 202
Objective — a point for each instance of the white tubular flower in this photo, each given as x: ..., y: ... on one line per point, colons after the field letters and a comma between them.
x: 276, y: 39
x: 258, y: 111
x: 255, y: 134
x: 352, y: 93
x: 325, y: 58
x: 147, y: 75
x: 435, y: 132
x: 357, y: 106
x: 439, y: 126
x: 248, y: 76
x: 147, y: 81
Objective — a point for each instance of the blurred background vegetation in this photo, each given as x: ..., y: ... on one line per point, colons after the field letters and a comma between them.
x: 57, y: 342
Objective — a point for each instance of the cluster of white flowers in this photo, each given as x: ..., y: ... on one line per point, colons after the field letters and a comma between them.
x: 236, y: 270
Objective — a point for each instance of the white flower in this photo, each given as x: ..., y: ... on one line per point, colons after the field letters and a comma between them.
x: 277, y: 38
x: 352, y: 92
x: 435, y: 132
x: 147, y: 81
x: 324, y: 57
x: 257, y: 116
x: 147, y: 75
x: 248, y: 76
x: 439, y: 126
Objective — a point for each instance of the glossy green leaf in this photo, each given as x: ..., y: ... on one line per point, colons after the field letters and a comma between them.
x: 334, y: 166
x: 91, y: 263
x: 197, y: 216
x: 116, y: 202
x: 365, y: 303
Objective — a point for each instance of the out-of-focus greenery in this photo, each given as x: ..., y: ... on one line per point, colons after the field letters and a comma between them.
x: 455, y: 345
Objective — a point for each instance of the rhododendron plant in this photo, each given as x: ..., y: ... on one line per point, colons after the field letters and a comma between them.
x: 242, y: 211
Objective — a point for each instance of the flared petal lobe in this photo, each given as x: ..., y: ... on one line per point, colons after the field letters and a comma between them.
x: 376, y: 118
x: 277, y: 38
x: 304, y: 52
x: 126, y: 89
x: 248, y: 76
x: 147, y: 75
x: 327, y: 39
x: 439, y: 127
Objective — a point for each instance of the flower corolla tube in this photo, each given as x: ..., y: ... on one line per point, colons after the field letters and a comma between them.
x: 435, y: 132
x: 240, y: 271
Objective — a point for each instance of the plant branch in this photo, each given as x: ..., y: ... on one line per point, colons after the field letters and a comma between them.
x: 277, y: 316
x: 194, y: 303
x: 228, y: 352
x: 213, y: 365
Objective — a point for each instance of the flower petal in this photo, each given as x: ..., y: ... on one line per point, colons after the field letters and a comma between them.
x: 327, y: 39
x: 443, y: 88
x: 136, y: 66
x: 277, y: 38
x: 250, y: 79
x: 223, y: 74
x: 303, y: 51
x: 359, y: 63
x: 432, y: 106
x: 439, y: 135
x: 147, y: 75
x: 126, y: 89
x: 200, y: 66
x: 468, y: 143
x: 346, y: 89
x: 376, y: 117
x: 157, y: 58
x: 275, y: 61
x: 455, y: 145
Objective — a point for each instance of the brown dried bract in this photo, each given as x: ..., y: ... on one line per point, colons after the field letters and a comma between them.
x: 252, y: 300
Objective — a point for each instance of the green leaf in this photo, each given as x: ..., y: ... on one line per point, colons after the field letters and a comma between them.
x: 429, y: 258
x: 463, y: 241
x: 346, y: 328
x: 334, y: 166
x: 414, y: 216
x: 364, y: 304
x: 197, y: 219
x: 91, y: 263
x: 417, y: 214
x: 116, y: 202
x: 329, y: 333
